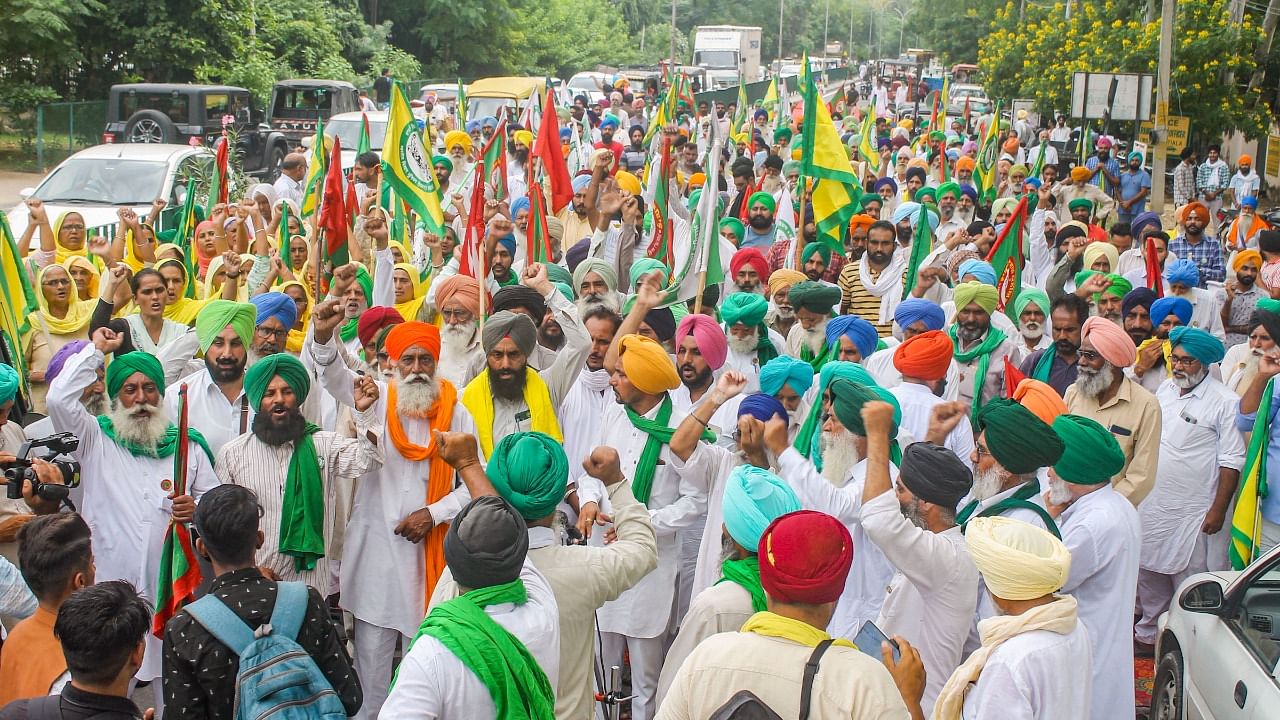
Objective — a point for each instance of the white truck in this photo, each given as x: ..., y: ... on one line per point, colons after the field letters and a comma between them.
x: 727, y: 53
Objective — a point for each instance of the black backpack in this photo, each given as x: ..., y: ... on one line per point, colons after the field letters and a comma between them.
x: 744, y: 705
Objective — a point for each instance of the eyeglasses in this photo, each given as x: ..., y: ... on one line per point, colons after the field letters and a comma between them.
x: 1089, y: 355
x: 266, y: 332
x: 73, y: 228
x: 56, y: 282
x: 1183, y: 360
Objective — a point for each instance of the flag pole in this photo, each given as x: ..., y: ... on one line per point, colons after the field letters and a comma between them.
x: 804, y: 197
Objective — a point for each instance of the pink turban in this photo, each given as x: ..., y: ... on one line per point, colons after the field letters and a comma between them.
x: 707, y: 334
x: 1110, y: 340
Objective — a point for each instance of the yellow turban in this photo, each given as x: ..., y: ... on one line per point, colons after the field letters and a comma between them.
x: 1018, y: 560
x: 1095, y: 250
x: 1080, y: 174
x: 976, y: 292
x: 457, y: 137
x: 627, y: 182
x: 783, y: 278
x: 1246, y: 256
x: 647, y: 365
x: 523, y: 137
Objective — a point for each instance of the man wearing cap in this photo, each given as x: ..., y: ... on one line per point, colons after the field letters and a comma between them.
x: 762, y: 230
x: 216, y: 402
x: 1243, y: 295
x: 1035, y: 656
x: 531, y: 472
x: 1196, y: 245
x: 127, y: 465
x: 804, y: 559
x: 933, y: 595
x: 814, y: 305
x: 1213, y: 178
x: 1056, y: 364
x: 872, y: 287
x: 304, y: 524
x: 924, y: 360
x: 1101, y: 529
x: 394, y: 540
x: 1185, y: 528
x: 980, y: 347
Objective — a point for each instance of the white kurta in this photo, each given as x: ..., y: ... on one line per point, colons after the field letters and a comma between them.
x: 749, y: 365
x: 1102, y: 532
x: 880, y: 365
x: 721, y: 608
x: 582, y: 411
x: 932, y: 598
x: 864, y: 588
x: 178, y: 343
x: 724, y: 422
x: 709, y: 465
x: 1038, y: 675
x: 1199, y: 437
x: 209, y: 411
x: 384, y: 576
x: 126, y: 496
x: 917, y: 403
x: 433, y: 683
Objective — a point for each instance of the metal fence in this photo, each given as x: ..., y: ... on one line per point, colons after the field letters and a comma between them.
x: 65, y: 127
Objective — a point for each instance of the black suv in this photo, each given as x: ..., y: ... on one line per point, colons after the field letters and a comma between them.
x: 195, y: 115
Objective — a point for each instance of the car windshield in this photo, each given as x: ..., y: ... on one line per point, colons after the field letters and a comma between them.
x: 175, y: 105
x: 104, y: 181
x: 584, y: 82
x: 487, y: 107
x: 304, y: 103
x: 716, y: 59
x: 967, y: 92
x: 348, y: 132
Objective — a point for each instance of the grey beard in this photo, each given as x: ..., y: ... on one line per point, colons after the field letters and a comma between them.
x: 97, y: 404
x: 145, y: 433
x: 1095, y: 382
x: 454, y: 339
x: 987, y: 483
x: 586, y: 303
x: 1059, y: 492
x: 839, y: 456
x: 970, y: 336
x: 1031, y: 331
x: 1190, y: 381
x: 744, y: 345
x: 413, y: 397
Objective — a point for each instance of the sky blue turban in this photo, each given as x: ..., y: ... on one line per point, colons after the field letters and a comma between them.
x: 472, y: 126
x: 1166, y: 306
x: 905, y: 211
x: 489, y: 121
x: 580, y: 183
x: 276, y: 305
x: 862, y: 333
x: 1202, y: 346
x: 520, y: 203
x: 9, y: 383
x: 609, y: 121
x: 786, y: 370
x: 1182, y: 271
x: 762, y: 407
x: 979, y: 269
x: 753, y: 499
x: 913, y: 310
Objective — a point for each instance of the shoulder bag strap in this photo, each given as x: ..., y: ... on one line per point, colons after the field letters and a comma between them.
x: 810, y: 671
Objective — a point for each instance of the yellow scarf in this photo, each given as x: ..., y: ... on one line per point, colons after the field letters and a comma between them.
x: 774, y: 625
x: 1058, y: 616
x: 78, y: 311
x: 184, y: 309
x: 1167, y: 349
x: 478, y: 399
x: 409, y: 308
x: 60, y: 252
x: 297, y: 333
x: 95, y: 276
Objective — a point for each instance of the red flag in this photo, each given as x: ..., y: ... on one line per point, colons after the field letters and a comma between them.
x: 469, y: 254
x: 744, y: 210
x: 333, y: 212
x: 1012, y: 376
x: 1154, y: 282
x: 547, y: 148
x: 539, y: 235
x: 966, y: 112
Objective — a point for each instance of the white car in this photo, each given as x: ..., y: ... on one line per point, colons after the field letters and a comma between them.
x: 1218, y: 646
x: 98, y: 181
x: 587, y: 83
x: 346, y: 127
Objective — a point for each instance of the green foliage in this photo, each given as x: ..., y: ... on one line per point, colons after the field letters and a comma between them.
x: 561, y: 37
x: 401, y: 63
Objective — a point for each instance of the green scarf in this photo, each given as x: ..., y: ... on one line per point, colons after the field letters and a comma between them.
x: 659, y: 434
x: 1019, y: 500
x: 1044, y: 366
x: 302, y: 517
x: 765, y: 351
x: 746, y: 573
x: 168, y: 444
x: 983, y: 353
x: 815, y: 361
x: 512, y: 279
x: 519, y: 687
x: 349, y: 329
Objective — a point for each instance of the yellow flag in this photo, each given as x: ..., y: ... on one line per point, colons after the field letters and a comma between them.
x: 407, y: 165
x: 837, y: 194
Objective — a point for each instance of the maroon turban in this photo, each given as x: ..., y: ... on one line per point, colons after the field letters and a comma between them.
x: 373, y: 320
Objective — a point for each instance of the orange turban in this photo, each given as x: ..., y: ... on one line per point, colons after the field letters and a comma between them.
x: 407, y: 334
x: 1040, y: 399
x: 1198, y: 207
x: 1244, y: 160
x: 926, y: 356
x: 461, y: 288
x: 697, y: 180
x: 646, y: 364
x: 965, y: 163
x: 860, y: 221
x: 1080, y: 174
x: 1246, y: 256
x: 1010, y: 146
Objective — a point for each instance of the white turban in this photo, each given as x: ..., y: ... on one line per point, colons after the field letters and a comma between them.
x: 1018, y: 561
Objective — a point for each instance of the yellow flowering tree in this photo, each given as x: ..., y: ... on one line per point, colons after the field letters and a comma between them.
x: 1212, y: 59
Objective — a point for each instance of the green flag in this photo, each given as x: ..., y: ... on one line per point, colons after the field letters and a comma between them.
x: 1006, y: 254
x: 921, y: 246
x: 406, y: 164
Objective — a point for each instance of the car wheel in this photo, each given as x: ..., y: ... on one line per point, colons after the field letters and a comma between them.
x: 149, y: 126
x: 1166, y: 695
x: 275, y: 163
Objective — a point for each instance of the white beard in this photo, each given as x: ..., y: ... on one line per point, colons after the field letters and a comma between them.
x: 1190, y: 381
x: 1031, y: 331
x: 454, y: 339
x: 413, y: 397
x: 816, y: 337
x: 1094, y: 384
x: 746, y: 345
x: 771, y: 184
x: 987, y: 483
x: 839, y: 456
x: 587, y: 302
x: 97, y: 404
x: 1059, y: 492
x: 146, y: 432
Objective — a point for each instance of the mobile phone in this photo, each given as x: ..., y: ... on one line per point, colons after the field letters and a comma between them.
x: 869, y: 638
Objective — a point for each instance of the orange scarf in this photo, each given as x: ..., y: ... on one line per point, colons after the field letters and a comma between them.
x: 440, y: 477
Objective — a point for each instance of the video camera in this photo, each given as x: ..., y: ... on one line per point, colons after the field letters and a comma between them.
x: 21, y: 468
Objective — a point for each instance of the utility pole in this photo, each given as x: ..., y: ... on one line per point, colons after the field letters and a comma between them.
x: 1161, y: 124
x: 781, y: 8
x: 826, y: 28
x: 673, y: 34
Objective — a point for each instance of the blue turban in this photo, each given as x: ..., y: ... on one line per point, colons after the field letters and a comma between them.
x: 580, y: 183
x: 1034, y: 182
x: 1250, y: 202
x: 862, y: 333
x: 520, y: 203
x: 762, y: 407
x: 275, y: 305
x: 786, y: 370
x: 753, y: 499
x: 1182, y: 271
x: 9, y: 383
x: 489, y: 121
x: 508, y: 242
x: 609, y: 121
x: 760, y: 113
x: 472, y: 126
x: 913, y: 310
x: 566, y: 133
x: 1202, y: 346
x: 905, y: 211
x: 970, y: 192
x: 979, y: 269
x: 885, y: 182
x: 1142, y: 222
x: 1166, y: 306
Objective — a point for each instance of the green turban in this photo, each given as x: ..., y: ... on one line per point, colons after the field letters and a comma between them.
x: 746, y: 308
x: 937, y: 136
x: 927, y: 193
x: 762, y: 198
x: 1090, y: 454
x: 782, y: 135
x: 442, y: 160
x: 366, y: 282
x: 947, y: 188
x: 1028, y: 296
x: 288, y: 367
x: 819, y: 248
x: 734, y: 224
x: 790, y: 165
x: 646, y: 266
x: 219, y: 314
x: 1017, y: 439
x: 564, y: 289
x: 971, y: 292
x: 868, y: 198
x: 848, y: 397
x: 807, y: 438
x: 1119, y: 285
x: 557, y: 274
x: 530, y: 471
x: 1080, y: 203
x: 819, y: 298
x: 10, y: 381
x: 129, y: 363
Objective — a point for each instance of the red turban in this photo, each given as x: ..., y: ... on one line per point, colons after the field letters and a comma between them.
x: 462, y: 288
x: 406, y: 335
x: 752, y: 257
x: 926, y: 356
x: 804, y: 558
x: 708, y: 335
x: 373, y: 320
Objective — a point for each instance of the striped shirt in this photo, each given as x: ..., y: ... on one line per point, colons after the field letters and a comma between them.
x: 855, y: 299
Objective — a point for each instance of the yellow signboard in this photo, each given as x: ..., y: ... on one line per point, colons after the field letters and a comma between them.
x: 1273, y: 155
x: 1179, y: 129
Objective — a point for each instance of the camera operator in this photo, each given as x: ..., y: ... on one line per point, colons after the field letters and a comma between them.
x: 94, y: 399
x: 15, y: 513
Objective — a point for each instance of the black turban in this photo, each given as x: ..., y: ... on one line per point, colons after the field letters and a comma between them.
x: 486, y: 543
x: 934, y: 474
x: 662, y: 322
x: 520, y: 296
x: 1137, y: 297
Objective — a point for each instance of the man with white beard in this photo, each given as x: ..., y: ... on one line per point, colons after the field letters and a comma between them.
x: 1240, y: 365
x: 596, y: 283
x: 1101, y: 529
x: 1104, y: 392
x: 126, y: 460
x: 787, y: 380
x: 1030, y: 310
x: 277, y: 314
x: 1201, y: 454
x: 216, y: 402
x: 813, y: 303
x: 393, y: 549
x: 751, y: 343
x: 461, y: 356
